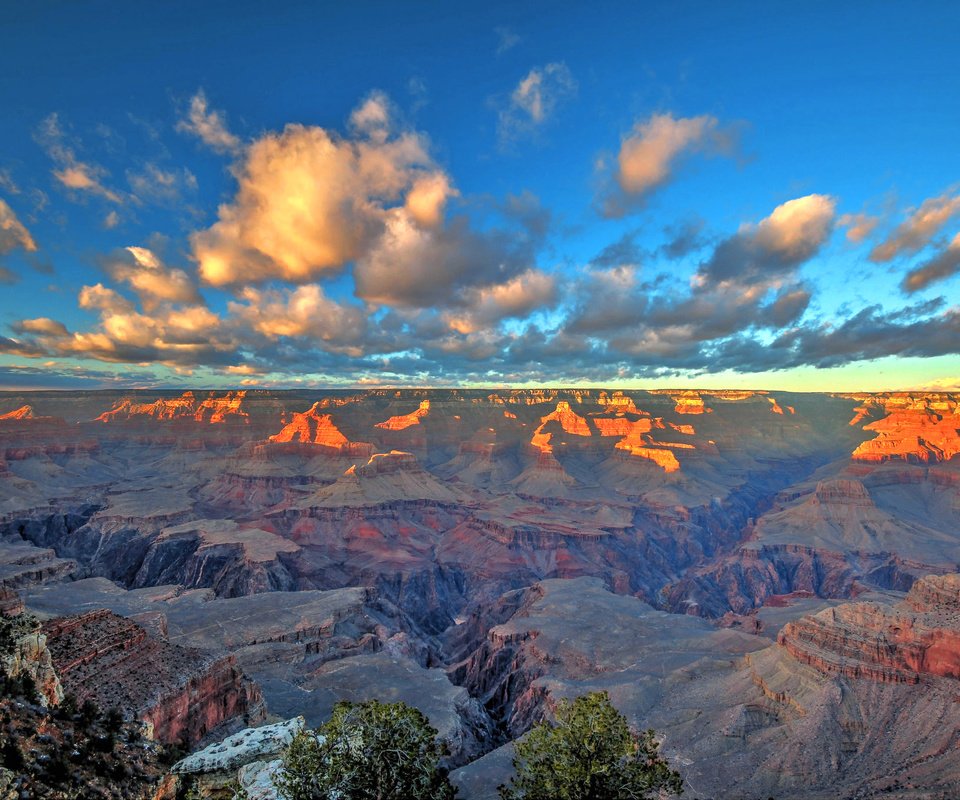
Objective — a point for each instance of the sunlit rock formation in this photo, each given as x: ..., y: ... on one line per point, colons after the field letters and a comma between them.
x: 914, y: 430
x: 314, y: 428
x: 398, y: 423
x: 228, y: 407
x: 24, y: 412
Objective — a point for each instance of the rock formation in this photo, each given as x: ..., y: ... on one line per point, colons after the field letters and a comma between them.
x: 180, y: 693
x: 314, y: 428
x: 891, y: 645
x: 247, y: 759
x: 398, y: 423
x: 24, y: 412
x: 913, y: 431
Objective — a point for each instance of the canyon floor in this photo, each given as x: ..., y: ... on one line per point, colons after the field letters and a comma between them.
x: 768, y: 579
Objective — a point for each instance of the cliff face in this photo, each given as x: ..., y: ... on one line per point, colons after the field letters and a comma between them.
x: 314, y: 428
x: 890, y: 645
x: 24, y: 651
x: 916, y: 429
x: 402, y: 421
x: 181, y: 693
x: 24, y: 412
x: 228, y: 407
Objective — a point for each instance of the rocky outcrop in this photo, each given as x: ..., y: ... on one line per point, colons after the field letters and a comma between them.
x: 24, y: 651
x: 23, y: 565
x: 688, y: 402
x: 890, y: 645
x: 250, y: 744
x: 24, y: 412
x: 182, y: 694
x: 913, y: 431
x: 314, y: 428
x: 402, y: 421
x: 212, y: 410
x: 386, y: 477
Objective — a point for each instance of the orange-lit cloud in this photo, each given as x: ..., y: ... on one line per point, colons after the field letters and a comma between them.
x: 154, y: 283
x: 796, y: 228
x: 13, y: 233
x: 209, y: 126
x: 859, y: 226
x: 915, y: 232
x: 74, y: 174
x: 309, y: 201
x: 305, y: 311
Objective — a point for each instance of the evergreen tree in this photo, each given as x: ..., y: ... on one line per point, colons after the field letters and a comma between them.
x: 367, y: 751
x: 589, y: 754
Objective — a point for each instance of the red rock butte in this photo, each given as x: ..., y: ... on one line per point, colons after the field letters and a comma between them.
x: 213, y: 410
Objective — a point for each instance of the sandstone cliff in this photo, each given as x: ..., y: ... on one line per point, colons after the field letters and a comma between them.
x: 182, y: 694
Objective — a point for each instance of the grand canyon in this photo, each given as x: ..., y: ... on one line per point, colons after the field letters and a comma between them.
x: 768, y: 579
x: 493, y: 401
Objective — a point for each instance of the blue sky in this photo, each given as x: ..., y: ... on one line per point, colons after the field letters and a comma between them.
x: 737, y: 194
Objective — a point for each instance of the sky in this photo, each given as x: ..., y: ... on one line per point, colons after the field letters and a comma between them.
x: 635, y: 194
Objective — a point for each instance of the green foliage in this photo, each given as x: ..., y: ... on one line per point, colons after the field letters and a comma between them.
x: 89, y: 713
x: 12, y: 629
x: 589, y: 754
x: 367, y: 751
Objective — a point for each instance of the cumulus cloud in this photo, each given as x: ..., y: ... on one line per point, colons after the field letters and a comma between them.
x: 916, y: 231
x: 776, y: 245
x: 651, y: 152
x: 209, y: 126
x: 421, y: 267
x: 43, y: 325
x: 155, y: 283
x: 180, y: 336
x: 372, y: 117
x: 309, y: 201
x: 943, y: 265
x: 13, y: 233
x: 302, y: 312
x: 748, y: 284
x: 535, y: 99
x: 518, y: 297
x: 427, y: 199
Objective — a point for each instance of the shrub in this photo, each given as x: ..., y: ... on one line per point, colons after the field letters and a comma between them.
x: 590, y: 753
x: 367, y: 751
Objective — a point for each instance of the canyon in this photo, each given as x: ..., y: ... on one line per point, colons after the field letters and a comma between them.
x: 767, y: 578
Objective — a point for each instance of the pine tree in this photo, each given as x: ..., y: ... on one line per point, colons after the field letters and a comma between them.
x: 367, y: 751
x: 590, y: 753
